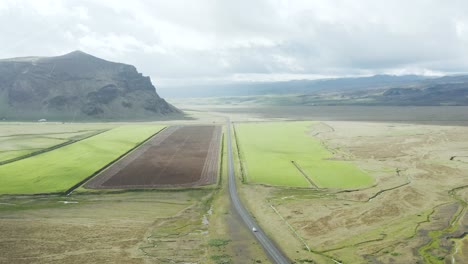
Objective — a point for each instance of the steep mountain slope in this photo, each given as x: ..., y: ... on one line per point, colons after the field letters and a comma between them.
x: 77, y: 86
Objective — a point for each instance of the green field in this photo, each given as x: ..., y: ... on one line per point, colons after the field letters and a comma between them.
x: 23, y: 139
x: 12, y: 147
x: 60, y: 169
x: 267, y: 150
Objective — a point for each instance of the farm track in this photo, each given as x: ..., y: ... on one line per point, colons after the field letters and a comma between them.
x: 179, y: 156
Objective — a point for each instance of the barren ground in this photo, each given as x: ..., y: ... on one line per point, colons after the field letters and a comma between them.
x: 179, y: 156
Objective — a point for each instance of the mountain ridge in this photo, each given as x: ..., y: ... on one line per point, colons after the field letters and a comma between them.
x: 77, y: 86
x: 407, y: 90
x: 304, y: 86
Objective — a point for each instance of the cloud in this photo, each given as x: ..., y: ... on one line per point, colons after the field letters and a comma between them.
x: 181, y: 41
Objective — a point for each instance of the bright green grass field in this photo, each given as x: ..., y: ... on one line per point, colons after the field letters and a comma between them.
x: 60, y: 169
x: 268, y: 149
x: 13, y: 147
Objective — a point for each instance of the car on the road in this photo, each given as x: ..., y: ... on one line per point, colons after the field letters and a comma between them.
x: 254, y: 229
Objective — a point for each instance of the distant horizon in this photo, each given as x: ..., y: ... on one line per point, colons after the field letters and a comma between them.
x: 266, y: 81
x: 204, y: 42
x: 265, y: 78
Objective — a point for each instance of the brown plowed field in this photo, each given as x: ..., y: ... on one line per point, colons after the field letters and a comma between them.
x: 179, y: 156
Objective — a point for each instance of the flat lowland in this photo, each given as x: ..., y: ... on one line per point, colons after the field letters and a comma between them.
x: 111, y: 228
x: 21, y: 140
x: 442, y: 115
x: 415, y: 213
x: 180, y: 156
x: 285, y: 154
x: 190, y: 225
x: 60, y: 169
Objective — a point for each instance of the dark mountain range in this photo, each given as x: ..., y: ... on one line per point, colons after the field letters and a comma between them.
x: 375, y: 90
x: 289, y: 87
x: 77, y: 86
x: 436, y: 94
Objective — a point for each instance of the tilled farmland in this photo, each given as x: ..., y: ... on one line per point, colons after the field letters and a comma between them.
x: 179, y: 156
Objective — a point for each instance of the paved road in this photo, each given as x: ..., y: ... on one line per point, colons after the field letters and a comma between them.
x: 272, y: 251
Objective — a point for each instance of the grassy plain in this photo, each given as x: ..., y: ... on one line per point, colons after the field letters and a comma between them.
x: 14, y: 147
x: 415, y: 213
x: 60, y: 169
x: 125, y: 226
x: 409, y: 216
x: 19, y: 140
x: 268, y: 150
x: 129, y: 227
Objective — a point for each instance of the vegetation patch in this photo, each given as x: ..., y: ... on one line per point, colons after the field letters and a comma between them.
x: 58, y: 170
x: 268, y: 150
x: 217, y: 242
x: 221, y: 259
x: 125, y: 222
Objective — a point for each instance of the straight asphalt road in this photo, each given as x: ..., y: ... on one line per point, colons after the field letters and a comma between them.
x: 270, y: 248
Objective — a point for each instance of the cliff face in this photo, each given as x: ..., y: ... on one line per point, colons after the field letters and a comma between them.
x: 77, y: 86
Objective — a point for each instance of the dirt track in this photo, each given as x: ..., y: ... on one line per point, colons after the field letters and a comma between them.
x: 179, y: 156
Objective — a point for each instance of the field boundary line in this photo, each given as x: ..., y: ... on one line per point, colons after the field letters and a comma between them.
x: 51, y: 133
x: 321, y: 253
x: 221, y: 157
x: 241, y: 162
x: 82, y: 182
x: 291, y: 228
x: 35, y: 153
x: 304, y: 174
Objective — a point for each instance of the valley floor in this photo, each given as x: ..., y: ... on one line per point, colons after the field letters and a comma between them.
x: 414, y: 212
x: 120, y: 226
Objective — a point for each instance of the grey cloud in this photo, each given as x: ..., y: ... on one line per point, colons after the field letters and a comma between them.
x: 173, y: 41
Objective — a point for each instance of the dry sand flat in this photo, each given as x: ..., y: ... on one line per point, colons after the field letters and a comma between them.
x: 417, y: 204
x: 179, y: 156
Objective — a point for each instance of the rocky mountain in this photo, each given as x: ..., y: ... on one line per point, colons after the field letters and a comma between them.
x: 77, y: 86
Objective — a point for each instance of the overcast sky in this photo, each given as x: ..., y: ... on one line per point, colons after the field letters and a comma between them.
x: 194, y: 41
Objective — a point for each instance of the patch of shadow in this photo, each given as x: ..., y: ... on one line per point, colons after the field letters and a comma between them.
x: 104, y: 95
x: 91, y: 109
x: 127, y: 104
x: 60, y: 102
x: 19, y: 95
